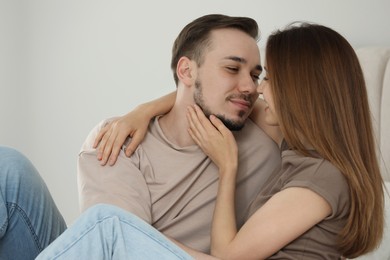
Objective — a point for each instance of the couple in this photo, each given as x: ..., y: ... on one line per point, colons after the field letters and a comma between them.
x: 324, y: 199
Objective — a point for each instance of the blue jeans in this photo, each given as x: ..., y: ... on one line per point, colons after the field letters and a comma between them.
x: 29, y: 218
x: 108, y: 232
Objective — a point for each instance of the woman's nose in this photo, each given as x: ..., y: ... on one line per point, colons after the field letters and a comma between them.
x: 260, y: 87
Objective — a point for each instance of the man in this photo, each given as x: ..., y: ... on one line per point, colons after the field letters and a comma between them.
x: 168, y: 181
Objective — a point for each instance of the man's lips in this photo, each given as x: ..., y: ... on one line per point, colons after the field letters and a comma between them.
x: 241, y: 103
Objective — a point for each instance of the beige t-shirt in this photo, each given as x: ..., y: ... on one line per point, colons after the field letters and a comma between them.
x: 322, y: 177
x: 174, y: 188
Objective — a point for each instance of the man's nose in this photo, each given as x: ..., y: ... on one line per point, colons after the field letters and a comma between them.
x: 247, y: 85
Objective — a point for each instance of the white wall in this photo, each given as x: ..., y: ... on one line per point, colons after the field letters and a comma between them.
x: 65, y: 65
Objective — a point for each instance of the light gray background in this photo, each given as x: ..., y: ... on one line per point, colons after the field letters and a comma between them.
x: 65, y: 65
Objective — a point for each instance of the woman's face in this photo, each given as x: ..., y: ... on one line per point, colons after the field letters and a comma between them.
x: 264, y: 88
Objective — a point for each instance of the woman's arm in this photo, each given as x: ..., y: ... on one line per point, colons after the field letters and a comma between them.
x: 134, y: 124
x: 219, y: 144
x: 285, y: 217
x: 224, y: 226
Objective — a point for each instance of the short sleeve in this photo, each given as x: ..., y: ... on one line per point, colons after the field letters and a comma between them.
x: 327, y: 181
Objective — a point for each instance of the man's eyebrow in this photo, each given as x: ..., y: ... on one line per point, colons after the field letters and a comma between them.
x: 242, y: 60
x: 236, y: 58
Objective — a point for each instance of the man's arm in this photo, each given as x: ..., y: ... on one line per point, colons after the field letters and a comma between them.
x: 122, y: 185
x: 194, y: 253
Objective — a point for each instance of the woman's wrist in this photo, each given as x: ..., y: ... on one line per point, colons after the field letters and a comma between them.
x: 159, y: 106
x: 228, y: 172
x: 147, y: 109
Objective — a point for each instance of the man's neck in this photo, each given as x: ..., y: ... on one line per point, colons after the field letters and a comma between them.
x: 175, y: 126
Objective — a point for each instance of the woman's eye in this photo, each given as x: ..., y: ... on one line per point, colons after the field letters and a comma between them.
x: 257, y: 77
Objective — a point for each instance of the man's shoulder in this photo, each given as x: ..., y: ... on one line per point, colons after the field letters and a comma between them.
x: 93, y: 133
x: 88, y: 154
x: 251, y: 130
x: 252, y: 137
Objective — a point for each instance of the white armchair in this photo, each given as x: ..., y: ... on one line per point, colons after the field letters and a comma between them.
x: 375, y: 62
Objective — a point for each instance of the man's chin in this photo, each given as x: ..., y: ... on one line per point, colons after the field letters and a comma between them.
x: 235, y: 127
x: 232, y: 125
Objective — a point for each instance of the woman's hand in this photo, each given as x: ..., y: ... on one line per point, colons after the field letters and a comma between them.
x: 113, y: 135
x: 214, y: 138
x: 134, y: 124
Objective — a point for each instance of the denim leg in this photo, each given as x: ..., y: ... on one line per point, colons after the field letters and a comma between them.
x: 29, y: 218
x: 108, y: 232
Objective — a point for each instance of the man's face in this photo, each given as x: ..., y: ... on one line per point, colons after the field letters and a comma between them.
x: 227, y: 79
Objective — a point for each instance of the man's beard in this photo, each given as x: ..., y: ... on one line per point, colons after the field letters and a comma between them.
x: 230, y: 124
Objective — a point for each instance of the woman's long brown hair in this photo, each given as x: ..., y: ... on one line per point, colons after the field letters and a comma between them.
x: 320, y: 93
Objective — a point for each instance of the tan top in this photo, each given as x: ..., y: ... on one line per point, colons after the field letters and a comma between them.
x: 174, y: 188
x: 320, y: 176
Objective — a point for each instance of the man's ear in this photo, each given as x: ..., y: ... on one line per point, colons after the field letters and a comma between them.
x: 185, y: 71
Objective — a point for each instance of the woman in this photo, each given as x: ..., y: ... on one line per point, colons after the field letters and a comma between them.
x: 327, y: 197
x: 326, y: 200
